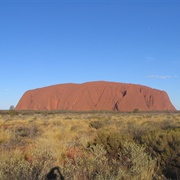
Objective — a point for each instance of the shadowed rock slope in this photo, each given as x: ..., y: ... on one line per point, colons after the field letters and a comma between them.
x: 99, y: 95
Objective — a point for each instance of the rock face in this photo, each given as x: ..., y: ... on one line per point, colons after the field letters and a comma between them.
x: 99, y: 95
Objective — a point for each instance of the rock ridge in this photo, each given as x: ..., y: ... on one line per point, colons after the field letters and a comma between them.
x: 98, y: 95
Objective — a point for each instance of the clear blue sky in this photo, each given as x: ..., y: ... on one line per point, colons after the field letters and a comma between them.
x: 46, y: 42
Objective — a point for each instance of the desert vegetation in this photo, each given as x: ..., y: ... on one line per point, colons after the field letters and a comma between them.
x: 89, y: 145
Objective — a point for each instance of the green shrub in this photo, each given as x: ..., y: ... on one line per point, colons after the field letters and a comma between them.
x: 136, y: 110
x: 12, y: 112
x: 135, y: 162
x: 111, y: 140
x: 164, y: 145
x: 94, y: 164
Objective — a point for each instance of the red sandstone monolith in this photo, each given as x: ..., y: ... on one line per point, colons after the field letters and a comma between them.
x: 100, y: 95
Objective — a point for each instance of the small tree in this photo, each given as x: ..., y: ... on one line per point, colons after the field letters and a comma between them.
x: 11, y: 107
x: 136, y: 110
x: 12, y: 111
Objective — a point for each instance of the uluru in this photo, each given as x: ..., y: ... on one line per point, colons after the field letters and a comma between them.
x: 99, y: 95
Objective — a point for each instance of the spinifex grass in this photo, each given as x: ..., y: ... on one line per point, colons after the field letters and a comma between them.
x: 31, y: 144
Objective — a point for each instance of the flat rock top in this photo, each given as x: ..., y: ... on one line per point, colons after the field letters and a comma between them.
x: 100, y: 95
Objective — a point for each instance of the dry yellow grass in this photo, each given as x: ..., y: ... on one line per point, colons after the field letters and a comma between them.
x: 29, y: 134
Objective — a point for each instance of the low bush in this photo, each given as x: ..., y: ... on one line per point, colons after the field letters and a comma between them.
x: 94, y: 164
x: 96, y: 124
x: 135, y: 162
x: 164, y: 145
x: 111, y: 140
x: 17, y: 165
x: 136, y: 110
x: 12, y: 112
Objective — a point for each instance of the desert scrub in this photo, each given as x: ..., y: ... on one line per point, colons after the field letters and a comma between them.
x: 19, y: 165
x: 165, y: 145
x: 137, y: 130
x: 47, y: 138
x: 25, y: 131
x: 135, y: 163
x: 5, y: 135
x: 94, y: 164
x: 90, y: 164
x: 19, y: 135
x: 96, y: 124
x: 168, y: 124
x: 13, y: 166
x: 111, y: 140
x: 12, y: 112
